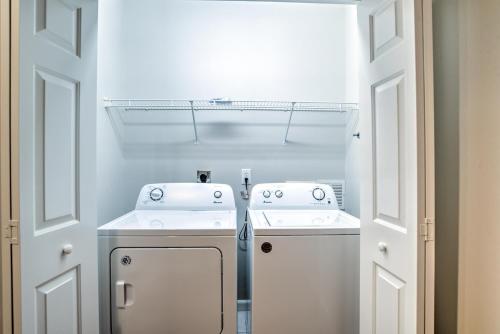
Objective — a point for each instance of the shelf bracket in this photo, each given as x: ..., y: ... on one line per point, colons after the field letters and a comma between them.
x: 289, y: 122
x: 194, y: 123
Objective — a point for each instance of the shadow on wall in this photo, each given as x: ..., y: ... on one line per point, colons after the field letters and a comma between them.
x: 352, y: 164
x: 228, y: 134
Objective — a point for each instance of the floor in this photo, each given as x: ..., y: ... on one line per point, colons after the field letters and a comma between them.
x: 243, y: 322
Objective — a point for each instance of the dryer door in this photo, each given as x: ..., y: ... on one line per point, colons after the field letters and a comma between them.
x: 166, y: 290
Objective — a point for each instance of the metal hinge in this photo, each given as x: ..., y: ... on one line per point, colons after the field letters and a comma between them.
x: 427, y: 229
x: 12, y: 232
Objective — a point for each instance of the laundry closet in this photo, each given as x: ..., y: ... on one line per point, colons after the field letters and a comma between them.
x: 236, y: 93
x: 290, y: 67
x: 270, y: 54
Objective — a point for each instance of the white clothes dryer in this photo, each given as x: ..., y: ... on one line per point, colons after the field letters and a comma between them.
x: 169, y: 266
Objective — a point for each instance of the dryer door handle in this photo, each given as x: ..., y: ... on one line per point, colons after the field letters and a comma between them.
x: 123, y: 294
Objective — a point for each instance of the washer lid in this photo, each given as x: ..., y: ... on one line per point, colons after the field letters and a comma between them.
x: 303, y: 218
x: 303, y: 222
x: 169, y: 222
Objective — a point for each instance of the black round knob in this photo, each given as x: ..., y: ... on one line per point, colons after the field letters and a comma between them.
x: 156, y: 194
x: 266, y: 247
x: 319, y: 194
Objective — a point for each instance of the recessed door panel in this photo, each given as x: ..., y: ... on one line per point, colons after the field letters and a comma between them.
x: 58, y: 303
x: 166, y: 290
x: 389, y: 308
x: 386, y: 27
x: 56, y: 112
x: 59, y: 22
x: 387, y: 115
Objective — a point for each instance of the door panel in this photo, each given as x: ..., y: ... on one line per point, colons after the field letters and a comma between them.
x: 389, y: 306
x: 389, y: 98
x: 57, y: 304
x: 166, y: 290
x: 57, y: 113
x: 391, y: 192
x: 56, y: 106
x: 60, y: 22
x: 386, y: 27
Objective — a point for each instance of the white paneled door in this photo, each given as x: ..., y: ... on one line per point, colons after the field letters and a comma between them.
x: 393, y: 172
x: 57, y: 166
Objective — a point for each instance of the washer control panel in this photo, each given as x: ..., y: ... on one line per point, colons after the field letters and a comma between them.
x: 186, y: 196
x: 293, y: 196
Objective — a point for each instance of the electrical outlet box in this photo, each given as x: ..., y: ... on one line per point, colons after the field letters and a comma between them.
x: 204, y: 176
x: 246, y: 173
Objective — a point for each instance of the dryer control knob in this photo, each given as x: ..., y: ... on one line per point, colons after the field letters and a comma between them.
x: 218, y: 194
x: 318, y: 194
x: 278, y: 193
x: 266, y: 194
x: 156, y: 194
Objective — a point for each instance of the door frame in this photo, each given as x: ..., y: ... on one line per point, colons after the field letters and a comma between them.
x: 14, y: 146
x: 5, y: 207
x: 5, y: 168
x: 10, y: 320
x: 426, y: 173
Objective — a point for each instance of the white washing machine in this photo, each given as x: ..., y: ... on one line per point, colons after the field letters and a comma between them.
x: 169, y: 266
x: 303, y: 261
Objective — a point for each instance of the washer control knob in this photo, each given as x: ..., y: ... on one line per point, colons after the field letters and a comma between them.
x: 266, y: 194
x: 156, y: 194
x: 318, y: 194
x: 218, y: 194
x: 278, y: 193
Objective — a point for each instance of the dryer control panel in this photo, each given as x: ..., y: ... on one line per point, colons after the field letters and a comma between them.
x: 293, y: 196
x: 186, y: 196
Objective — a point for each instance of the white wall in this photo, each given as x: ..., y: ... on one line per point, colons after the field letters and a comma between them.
x: 241, y: 50
x: 352, y: 144
x: 202, y: 50
x: 352, y: 165
x: 446, y: 97
x: 479, y: 243
x: 110, y: 160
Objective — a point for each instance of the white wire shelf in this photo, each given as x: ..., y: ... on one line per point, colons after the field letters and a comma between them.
x: 193, y: 106
x: 221, y: 104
